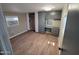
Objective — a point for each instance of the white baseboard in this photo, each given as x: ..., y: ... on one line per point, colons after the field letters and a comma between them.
x: 17, y: 34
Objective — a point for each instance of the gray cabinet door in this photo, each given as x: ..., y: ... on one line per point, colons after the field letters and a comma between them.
x: 41, y: 17
x: 71, y: 36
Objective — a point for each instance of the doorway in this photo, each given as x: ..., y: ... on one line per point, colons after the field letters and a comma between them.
x: 32, y: 21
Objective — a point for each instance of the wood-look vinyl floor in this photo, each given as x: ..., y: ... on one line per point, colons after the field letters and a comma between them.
x: 32, y: 43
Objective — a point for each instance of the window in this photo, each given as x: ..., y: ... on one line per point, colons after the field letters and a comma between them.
x: 12, y: 21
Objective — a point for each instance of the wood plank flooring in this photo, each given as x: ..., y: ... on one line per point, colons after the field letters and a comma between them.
x: 31, y: 43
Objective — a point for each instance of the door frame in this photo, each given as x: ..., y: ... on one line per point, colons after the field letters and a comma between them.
x: 36, y: 21
x: 62, y: 26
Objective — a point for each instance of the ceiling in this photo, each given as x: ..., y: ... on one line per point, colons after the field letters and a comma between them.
x: 74, y: 6
x: 29, y: 7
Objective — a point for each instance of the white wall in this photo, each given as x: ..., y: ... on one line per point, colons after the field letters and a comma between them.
x: 19, y: 29
x: 63, y: 24
x: 36, y: 21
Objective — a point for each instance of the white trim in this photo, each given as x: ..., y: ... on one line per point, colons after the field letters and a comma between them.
x: 17, y: 34
x: 27, y: 21
x: 36, y: 21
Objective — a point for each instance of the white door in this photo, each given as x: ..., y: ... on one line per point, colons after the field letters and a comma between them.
x: 5, y: 46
